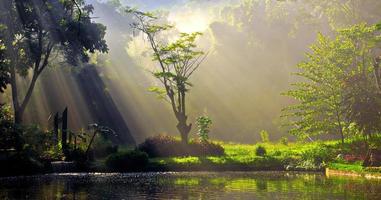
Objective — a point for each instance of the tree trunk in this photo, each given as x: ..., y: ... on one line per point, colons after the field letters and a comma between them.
x: 183, y: 127
x: 15, y: 101
x: 18, y: 108
x: 340, y: 127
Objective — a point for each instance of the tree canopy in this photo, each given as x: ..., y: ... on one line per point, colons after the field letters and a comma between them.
x: 331, y: 94
x: 34, y: 30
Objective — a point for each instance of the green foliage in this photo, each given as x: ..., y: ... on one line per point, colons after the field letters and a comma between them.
x: 164, y: 145
x: 322, y: 105
x: 203, y: 124
x: 284, y: 140
x: 346, y: 167
x: 127, y: 161
x: 29, y: 37
x: 4, y: 71
x: 260, y: 151
x: 264, y: 136
x: 318, y: 155
x: 160, y: 92
x: 295, y: 156
x: 77, y: 155
x: 103, y: 146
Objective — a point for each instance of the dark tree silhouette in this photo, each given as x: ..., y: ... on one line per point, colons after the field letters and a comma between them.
x: 37, y: 29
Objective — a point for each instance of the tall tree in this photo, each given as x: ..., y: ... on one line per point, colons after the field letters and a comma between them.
x: 328, y: 97
x: 362, y: 89
x: 37, y: 29
x: 177, y: 61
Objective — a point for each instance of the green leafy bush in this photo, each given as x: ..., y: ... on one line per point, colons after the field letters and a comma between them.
x: 319, y: 154
x: 77, y: 155
x: 134, y: 160
x: 21, y: 163
x: 165, y: 146
x: 284, y: 140
x: 103, y: 147
x: 260, y: 151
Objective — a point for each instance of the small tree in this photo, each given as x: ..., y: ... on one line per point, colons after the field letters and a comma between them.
x: 203, y: 124
x: 264, y: 136
x: 177, y: 61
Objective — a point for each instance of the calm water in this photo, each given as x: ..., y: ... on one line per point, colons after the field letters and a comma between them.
x: 190, y: 185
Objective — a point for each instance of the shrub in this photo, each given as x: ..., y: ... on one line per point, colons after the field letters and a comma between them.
x: 264, y: 136
x: 203, y: 124
x: 165, y: 146
x: 284, y: 140
x: 20, y: 164
x: 133, y: 160
x: 318, y: 155
x: 260, y: 151
x: 77, y: 155
x: 103, y: 147
x: 204, y: 148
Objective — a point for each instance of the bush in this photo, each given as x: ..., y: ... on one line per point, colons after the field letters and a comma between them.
x: 103, y: 147
x: 127, y: 161
x: 260, y: 151
x: 165, y: 146
x: 77, y: 155
x: 204, y: 148
x: 318, y: 155
x: 20, y: 164
x: 284, y: 140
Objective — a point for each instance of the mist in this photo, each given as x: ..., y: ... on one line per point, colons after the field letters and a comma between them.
x: 253, y: 49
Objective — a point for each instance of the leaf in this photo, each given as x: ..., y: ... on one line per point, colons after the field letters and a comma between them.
x: 160, y: 92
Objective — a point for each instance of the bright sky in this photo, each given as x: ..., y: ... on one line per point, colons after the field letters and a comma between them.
x: 187, y: 15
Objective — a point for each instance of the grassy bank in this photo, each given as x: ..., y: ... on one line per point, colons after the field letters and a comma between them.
x: 294, y: 156
x: 313, y: 156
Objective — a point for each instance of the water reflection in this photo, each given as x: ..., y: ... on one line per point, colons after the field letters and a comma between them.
x: 187, y: 185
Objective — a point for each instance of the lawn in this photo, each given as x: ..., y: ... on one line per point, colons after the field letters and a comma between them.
x: 311, y: 156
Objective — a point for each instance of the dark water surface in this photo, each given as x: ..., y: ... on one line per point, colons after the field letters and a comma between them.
x: 189, y: 185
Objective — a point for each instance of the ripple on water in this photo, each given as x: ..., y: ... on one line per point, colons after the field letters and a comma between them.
x: 189, y: 185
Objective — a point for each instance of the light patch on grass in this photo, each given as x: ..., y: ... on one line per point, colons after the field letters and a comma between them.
x: 186, y: 160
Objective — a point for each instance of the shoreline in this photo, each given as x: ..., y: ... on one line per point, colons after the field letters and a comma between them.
x: 328, y: 172
x: 368, y: 175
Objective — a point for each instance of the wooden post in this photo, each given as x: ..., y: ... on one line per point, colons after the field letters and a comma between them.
x: 64, y: 129
x: 55, y: 129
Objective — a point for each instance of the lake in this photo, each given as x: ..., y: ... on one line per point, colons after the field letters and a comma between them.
x: 189, y: 185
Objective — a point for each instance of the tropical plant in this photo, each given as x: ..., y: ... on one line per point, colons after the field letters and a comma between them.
x: 203, y: 124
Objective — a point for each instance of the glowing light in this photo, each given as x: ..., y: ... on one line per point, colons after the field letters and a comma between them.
x: 189, y: 22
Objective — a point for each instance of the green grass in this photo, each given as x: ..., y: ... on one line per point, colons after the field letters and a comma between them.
x: 236, y: 156
x: 301, y: 156
x: 355, y: 167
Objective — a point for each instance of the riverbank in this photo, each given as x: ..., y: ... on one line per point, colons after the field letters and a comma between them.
x: 353, y: 170
x: 311, y: 157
